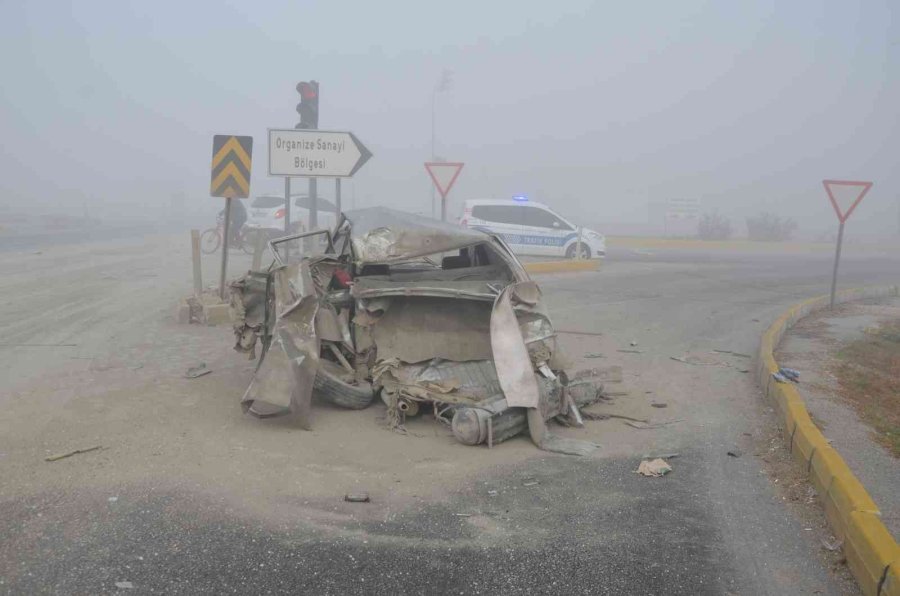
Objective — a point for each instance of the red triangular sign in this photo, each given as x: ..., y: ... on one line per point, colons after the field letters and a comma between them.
x: 443, y: 174
x: 845, y: 195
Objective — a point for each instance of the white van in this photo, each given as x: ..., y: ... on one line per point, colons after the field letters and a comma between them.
x: 531, y: 228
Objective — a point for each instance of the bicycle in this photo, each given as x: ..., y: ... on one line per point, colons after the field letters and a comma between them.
x: 211, y: 239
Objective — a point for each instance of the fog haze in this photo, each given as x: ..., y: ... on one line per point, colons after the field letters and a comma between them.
x: 597, y: 109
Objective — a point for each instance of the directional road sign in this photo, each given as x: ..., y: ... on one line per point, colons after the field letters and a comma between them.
x: 231, y: 162
x: 315, y: 153
x: 845, y: 195
x: 443, y: 174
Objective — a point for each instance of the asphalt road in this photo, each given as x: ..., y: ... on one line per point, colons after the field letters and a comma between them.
x: 190, y: 497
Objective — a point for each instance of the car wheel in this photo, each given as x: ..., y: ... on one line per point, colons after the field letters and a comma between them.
x: 585, y: 251
x: 329, y: 387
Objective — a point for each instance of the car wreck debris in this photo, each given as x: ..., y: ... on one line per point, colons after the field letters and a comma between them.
x: 424, y: 315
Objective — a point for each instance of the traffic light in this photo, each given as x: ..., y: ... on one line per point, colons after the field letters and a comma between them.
x: 308, y: 108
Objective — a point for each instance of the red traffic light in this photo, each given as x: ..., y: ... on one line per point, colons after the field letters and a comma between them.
x: 307, y: 90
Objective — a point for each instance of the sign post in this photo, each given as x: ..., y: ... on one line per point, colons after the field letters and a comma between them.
x: 444, y: 175
x: 844, y: 203
x: 230, y: 178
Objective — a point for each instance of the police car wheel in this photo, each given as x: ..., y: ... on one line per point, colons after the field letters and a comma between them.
x: 585, y: 251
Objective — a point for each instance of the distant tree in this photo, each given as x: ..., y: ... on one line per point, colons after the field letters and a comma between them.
x: 713, y: 226
x: 768, y: 227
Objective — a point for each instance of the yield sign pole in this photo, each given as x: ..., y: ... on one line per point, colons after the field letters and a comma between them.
x: 843, y: 215
x: 443, y: 175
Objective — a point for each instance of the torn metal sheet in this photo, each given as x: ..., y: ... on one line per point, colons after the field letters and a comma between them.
x: 514, y: 367
x: 327, y: 324
x: 442, y: 380
x: 283, y: 381
x: 543, y: 438
x: 420, y: 329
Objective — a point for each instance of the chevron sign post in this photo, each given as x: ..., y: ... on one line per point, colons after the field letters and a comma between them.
x: 231, y: 166
x: 230, y: 178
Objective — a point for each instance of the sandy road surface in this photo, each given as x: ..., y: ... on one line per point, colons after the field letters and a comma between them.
x: 190, y: 496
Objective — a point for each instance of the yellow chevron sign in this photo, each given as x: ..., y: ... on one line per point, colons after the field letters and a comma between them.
x: 231, y: 166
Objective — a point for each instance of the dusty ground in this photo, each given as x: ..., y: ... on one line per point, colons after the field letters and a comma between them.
x: 188, y: 495
x: 829, y: 348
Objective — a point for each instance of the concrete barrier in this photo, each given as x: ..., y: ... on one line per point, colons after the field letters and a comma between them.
x: 562, y: 266
x: 872, y: 553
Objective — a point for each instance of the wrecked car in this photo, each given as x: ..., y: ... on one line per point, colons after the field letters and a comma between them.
x: 422, y: 314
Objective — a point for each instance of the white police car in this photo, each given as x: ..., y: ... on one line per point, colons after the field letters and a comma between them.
x: 531, y: 228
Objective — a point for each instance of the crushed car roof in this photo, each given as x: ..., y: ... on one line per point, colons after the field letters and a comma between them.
x: 382, y: 235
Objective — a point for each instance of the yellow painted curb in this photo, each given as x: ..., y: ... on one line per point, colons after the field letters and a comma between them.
x: 562, y: 266
x: 873, y: 555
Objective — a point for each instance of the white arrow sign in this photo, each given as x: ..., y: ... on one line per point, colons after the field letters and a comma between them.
x: 315, y: 153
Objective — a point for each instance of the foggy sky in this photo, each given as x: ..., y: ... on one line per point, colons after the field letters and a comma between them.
x: 594, y: 108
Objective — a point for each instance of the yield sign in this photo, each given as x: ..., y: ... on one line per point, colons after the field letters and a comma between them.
x: 845, y: 195
x: 443, y: 174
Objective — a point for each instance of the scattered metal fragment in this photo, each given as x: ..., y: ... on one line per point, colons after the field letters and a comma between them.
x: 492, y: 493
x: 653, y: 468
x: 832, y: 545
x: 630, y: 351
x: 463, y: 514
x: 633, y: 343
x: 593, y: 355
x: 357, y: 497
x: 735, y: 452
x: 124, y: 585
x: 659, y: 405
x: 197, y: 371
x: 59, y: 456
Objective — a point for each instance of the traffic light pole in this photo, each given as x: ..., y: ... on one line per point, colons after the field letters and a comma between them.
x: 313, y: 204
x: 287, y: 215
x: 337, y: 200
